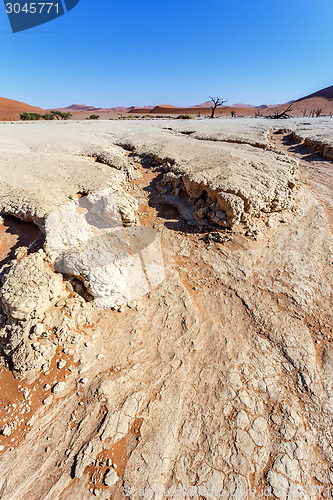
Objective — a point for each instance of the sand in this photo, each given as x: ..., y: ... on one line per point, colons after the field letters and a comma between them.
x: 10, y: 110
x: 321, y: 101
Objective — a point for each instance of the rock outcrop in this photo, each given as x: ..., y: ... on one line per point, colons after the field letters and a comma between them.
x: 87, y: 239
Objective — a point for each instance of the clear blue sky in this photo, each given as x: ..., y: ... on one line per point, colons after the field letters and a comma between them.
x: 124, y: 52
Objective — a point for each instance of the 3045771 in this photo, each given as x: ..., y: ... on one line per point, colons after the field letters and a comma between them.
x: 32, y: 8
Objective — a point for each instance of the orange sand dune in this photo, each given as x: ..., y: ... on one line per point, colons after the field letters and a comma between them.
x: 202, y: 105
x: 10, y: 110
x: 165, y: 106
x: 326, y: 93
x: 305, y: 107
x: 172, y: 110
x: 321, y: 100
x: 309, y: 104
x: 78, y: 107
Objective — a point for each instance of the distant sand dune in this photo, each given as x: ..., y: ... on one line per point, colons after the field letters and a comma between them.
x: 321, y: 100
x: 10, y: 110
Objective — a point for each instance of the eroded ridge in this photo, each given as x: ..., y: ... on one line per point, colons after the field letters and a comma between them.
x: 225, y: 183
x: 321, y: 147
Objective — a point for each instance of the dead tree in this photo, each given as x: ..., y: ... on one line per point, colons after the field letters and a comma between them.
x: 217, y: 101
x: 281, y: 114
x: 316, y: 112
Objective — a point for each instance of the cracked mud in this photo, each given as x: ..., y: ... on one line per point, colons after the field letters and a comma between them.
x: 215, y: 384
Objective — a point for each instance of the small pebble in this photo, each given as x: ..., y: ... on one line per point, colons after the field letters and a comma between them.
x: 60, y: 386
x: 6, y: 430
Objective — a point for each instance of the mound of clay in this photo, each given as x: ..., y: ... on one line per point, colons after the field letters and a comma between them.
x: 29, y: 285
x: 87, y: 239
x: 30, y: 289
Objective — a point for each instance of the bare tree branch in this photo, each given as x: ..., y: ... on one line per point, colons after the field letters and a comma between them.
x: 281, y: 114
x: 217, y: 101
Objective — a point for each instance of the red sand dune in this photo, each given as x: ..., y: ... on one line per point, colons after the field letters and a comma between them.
x: 321, y: 100
x: 206, y: 104
x: 166, y: 106
x: 241, y: 105
x: 307, y: 106
x: 203, y: 111
x: 119, y: 109
x: 81, y: 111
x: 326, y: 93
x: 10, y: 110
x: 78, y: 107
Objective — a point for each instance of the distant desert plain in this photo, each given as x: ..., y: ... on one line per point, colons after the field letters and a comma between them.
x: 317, y: 104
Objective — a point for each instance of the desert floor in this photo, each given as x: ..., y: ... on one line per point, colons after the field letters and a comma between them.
x: 166, y: 309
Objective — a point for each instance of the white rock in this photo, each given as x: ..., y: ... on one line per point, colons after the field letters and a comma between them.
x: 244, y: 442
x: 58, y: 387
x: 236, y: 486
x: 259, y: 424
x: 184, y: 253
x: 26, y: 393
x: 111, y: 477
x: 39, y: 329
x: 29, y: 287
x: 242, y: 419
x: 6, y: 430
x: 87, y: 239
x: 279, y: 484
x: 258, y: 432
x: 287, y: 466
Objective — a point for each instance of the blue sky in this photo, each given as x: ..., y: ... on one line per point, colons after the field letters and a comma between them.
x: 124, y: 52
